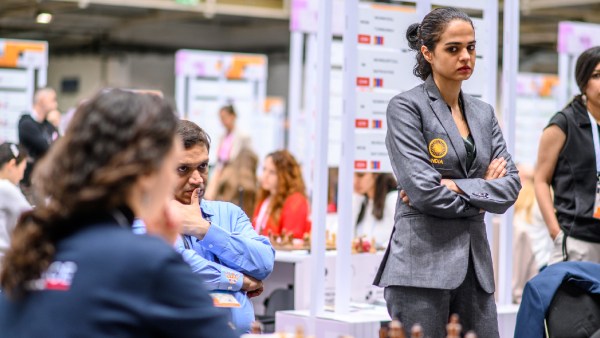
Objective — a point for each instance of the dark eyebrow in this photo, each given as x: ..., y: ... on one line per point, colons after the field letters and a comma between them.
x: 192, y: 164
x: 458, y: 43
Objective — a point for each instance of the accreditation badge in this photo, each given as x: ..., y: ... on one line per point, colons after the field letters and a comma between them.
x: 222, y: 299
x: 597, y: 201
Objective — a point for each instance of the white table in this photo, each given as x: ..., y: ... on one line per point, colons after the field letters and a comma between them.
x: 294, y: 268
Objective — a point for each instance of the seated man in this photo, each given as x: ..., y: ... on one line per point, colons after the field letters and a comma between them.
x: 219, y: 242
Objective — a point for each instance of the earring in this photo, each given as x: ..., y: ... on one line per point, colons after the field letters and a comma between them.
x: 584, y: 98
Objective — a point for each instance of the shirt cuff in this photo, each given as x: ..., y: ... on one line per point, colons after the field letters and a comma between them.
x: 216, y: 239
x: 231, y: 280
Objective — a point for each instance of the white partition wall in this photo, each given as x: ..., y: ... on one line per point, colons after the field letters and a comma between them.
x: 206, y: 81
x: 21, y: 63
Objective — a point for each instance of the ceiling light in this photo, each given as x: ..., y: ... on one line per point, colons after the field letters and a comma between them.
x: 43, y: 17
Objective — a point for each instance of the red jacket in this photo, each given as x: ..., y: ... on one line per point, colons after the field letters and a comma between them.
x: 294, y: 217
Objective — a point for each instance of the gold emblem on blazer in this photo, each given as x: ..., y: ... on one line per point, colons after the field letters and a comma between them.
x: 437, y: 149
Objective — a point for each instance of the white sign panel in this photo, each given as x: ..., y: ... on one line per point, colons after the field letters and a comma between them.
x: 14, y: 101
x: 371, y: 153
x: 385, y: 25
x: 207, y: 81
x: 371, y: 108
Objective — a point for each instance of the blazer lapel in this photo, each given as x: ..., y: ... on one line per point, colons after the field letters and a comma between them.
x: 441, y: 110
x: 475, y: 127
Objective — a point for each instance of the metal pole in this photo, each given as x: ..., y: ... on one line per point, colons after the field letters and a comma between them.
x: 295, y: 93
x: 343, y: 277
x: 319, y: 197
x: 510, y: 67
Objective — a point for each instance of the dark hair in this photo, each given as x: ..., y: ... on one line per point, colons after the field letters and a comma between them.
x: 112, y: 140
x: 10, y: 151
x: 428, y: 34
x: 229, y: 109
x: 192, y: 134
x: 384, y: 183
x: 289, y: 181
x: 584, y: 68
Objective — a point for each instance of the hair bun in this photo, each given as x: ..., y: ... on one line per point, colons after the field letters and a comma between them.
x: 412, y: 35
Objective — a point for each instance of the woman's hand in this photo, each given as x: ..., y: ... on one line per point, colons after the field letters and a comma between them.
x: 451, y: 185
x: 496, y: 169
x: 404, y: 197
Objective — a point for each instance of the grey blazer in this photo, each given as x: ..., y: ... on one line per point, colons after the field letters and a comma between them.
x: 433, y: 238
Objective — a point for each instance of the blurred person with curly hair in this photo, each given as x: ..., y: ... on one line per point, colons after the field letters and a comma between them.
x: 282, y: 206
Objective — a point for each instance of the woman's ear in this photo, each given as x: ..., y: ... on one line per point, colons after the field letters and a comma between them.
x: 12, y: 163
x: 426, y: 53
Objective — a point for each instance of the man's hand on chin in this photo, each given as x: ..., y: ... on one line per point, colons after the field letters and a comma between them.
x: 192, y: 222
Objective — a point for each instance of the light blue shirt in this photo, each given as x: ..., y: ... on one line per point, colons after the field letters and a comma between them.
x: 230, y: 249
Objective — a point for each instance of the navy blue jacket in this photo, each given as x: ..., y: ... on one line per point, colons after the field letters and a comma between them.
x: 108, y: 282
x: 540, y: 290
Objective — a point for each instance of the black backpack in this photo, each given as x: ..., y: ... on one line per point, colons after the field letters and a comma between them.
x: 573, y: 313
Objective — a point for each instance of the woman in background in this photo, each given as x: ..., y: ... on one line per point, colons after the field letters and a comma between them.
x: 374, y: 206
x: 566, y: 166
x: 229, y: 147
x: 75, y: 268
x: 282, y: 204
x: 12, y: 201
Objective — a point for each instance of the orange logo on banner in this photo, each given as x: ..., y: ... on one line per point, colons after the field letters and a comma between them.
x: 240, y: 62
x: 13, y: 49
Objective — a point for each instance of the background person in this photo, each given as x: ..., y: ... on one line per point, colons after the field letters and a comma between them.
x: 374, y: 203
x: 219, y: 242
x: 36, y: 134
x: 447, y: 151
x: 282, y: 204
x: 228, y: 148
x: 74, y: 266
x: 12, y: 201
x: 55, y: 118
x: 567, y: 164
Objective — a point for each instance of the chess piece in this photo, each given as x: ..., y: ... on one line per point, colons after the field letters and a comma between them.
x: 354, y: 246
x: 470, y: 334
x: 396, y: 330
x: 453, y: 328
x: 373, y: 248
x: 306, y: 238
x: 333, y: 240
x: 299, y: 332
x: 255, y: 328
x: 272, y: 237
x: 416, y: 331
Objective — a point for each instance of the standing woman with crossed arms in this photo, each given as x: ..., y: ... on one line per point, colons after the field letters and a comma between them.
x: 452, y: 165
